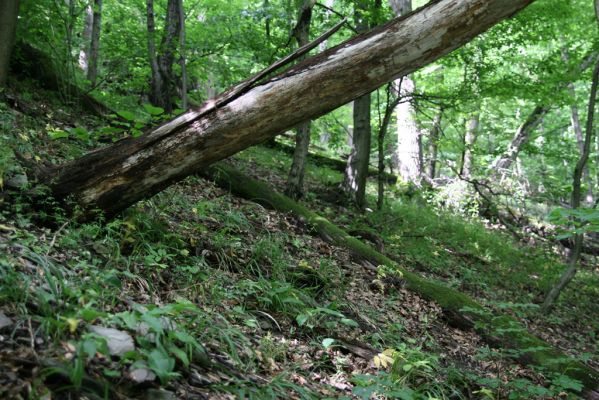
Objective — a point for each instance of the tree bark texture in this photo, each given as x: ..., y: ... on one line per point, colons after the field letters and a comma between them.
x: 94, y: 48
x: 163, y: 87
x: 295, y: 180
x: 112, y: 178
x: 458, y: 309
x: 356, y: 172
x: 9, y: 12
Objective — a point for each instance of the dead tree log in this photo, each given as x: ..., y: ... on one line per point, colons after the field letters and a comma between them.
x: 112, y: 178
x: 459, y: 310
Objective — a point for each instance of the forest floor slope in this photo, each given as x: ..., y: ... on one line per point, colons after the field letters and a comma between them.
x: 213, y: 296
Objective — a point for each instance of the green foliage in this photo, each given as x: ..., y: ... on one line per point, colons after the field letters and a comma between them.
x: 572, y: 222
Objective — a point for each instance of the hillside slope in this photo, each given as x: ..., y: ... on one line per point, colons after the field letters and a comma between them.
x: 196, y: 293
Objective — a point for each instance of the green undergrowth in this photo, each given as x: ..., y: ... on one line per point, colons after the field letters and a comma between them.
x: 206, y: 287
x: 487, y: 264
x: 223, y: 297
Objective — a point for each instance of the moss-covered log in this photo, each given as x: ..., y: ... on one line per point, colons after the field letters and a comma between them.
x: 459, y: 309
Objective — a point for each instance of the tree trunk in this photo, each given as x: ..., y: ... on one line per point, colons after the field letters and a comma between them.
x: 409, y: 142
x: 409, y: 139
x: 166, y: 58
x: 433, y: 145
x: 94, y: 53
x: 393, y: 99
x: 469, y: 140
x: 87, y: 36
x: 356, y: 172
x: 459, y: 310
x: 182, y: 53
x: 503, y: 163
x: 163, y: 87
x: 9, y: 13
x: 577, y: 127
x: 112, y: 178
x: 575, y: 201
x: 155, y: 80
x: 295, y: 180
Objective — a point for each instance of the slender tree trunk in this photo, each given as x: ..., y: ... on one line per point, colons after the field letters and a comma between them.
x: 87, y: 37
x: 266, y: 7
x: 156, y: 79
x: 577, y: 127
x: 503, y: 163
x: 94, y: 54
x: 295, y: 180
x: 469, y: 140
x: 409, y: 142
x: 9, y: 13
x: 112, y: 178
x: 575, y: 201
x: 356, y: 172
x: 393, y: 99
x: 433, y: 145
x: 182, y: 54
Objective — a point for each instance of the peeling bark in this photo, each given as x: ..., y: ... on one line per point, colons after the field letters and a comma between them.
x: 112, y: 178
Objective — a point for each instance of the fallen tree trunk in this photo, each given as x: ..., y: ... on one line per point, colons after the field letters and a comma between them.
x: 112, y: 178
x: 459, y: 309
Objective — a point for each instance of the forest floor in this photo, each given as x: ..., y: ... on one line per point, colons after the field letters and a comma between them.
x: 196, y: 293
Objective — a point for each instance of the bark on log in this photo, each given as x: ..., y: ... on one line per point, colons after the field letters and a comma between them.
x: 459, y: 309
x: 112, y: 178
